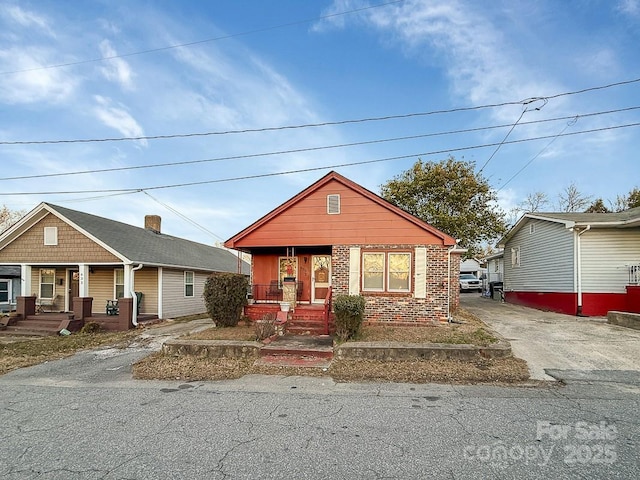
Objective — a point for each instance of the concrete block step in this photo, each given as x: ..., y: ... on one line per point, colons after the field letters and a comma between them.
x: 27, y: 332
x: 306, y: 361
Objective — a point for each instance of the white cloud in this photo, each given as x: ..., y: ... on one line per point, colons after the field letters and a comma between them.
x: 25, y: 18
x: 32, y: 84
x: 629, y: 7
x: 117, y: 117
x: 115, y: 69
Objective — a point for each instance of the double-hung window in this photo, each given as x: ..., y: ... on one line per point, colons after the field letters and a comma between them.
x: 119, y: 282
x: 188, y: 284
x: 47, y: 282
x: 386, y: 272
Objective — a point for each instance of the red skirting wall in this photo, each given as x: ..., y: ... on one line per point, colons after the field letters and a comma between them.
x: 593, y: 304
x: 598, y: 304
x: 566, y: 303
x: 633, y: 299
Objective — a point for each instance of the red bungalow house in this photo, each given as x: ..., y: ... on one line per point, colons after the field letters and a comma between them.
x: 336, y: 237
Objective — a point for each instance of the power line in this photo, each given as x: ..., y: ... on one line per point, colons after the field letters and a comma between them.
x: 207, y: 40
x: 569, y: 124
x: 524, y: 110
x: 322, y: 124
x: 325, y: 167
x: 184, y: 217
x: 311, y: 149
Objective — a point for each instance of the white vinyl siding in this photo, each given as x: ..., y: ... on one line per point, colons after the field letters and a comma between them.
x: 174, y: 303
x: 605, y: 255
x: 546, y: 259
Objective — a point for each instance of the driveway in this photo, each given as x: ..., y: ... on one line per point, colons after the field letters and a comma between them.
x: 559, y: 345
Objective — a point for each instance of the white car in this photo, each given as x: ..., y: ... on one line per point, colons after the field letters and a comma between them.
x: 469, y: 282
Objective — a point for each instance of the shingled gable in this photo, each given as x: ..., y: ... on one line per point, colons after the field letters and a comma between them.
x: 236, y: 240
x: 133, y: 244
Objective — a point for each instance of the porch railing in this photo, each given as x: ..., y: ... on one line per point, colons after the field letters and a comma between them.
x: 327, y: 310
x: 270, y: 293
x: 634, y: 274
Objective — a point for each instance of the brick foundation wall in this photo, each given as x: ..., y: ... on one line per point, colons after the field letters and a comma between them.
x: 403, y: 307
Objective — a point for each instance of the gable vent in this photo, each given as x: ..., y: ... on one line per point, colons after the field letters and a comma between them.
x: 333, y: 204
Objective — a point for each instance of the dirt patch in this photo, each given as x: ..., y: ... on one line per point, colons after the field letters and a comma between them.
x: 188, y: 368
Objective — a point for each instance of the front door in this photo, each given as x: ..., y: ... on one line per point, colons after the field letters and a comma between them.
x: 74, y: 286
x: 320, y: 277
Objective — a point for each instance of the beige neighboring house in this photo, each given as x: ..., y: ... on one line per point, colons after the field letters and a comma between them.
x: 65, y: 254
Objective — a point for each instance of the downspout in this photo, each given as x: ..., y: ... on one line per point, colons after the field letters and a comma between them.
x: 134, y: 314
x: 579, y: 267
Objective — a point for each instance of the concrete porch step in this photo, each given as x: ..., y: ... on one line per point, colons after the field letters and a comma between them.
x: 14, y: 331
x: 293, y: 361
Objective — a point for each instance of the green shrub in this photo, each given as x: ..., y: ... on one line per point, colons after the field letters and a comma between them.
x: 224, y: 296
x: 349, y: 312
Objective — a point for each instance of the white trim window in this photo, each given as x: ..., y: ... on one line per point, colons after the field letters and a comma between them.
x: 118, y: 283
x: 515, y: 257
x: 386, y: 272
x: 5, y: 290
x: 47, y: 283
x: 51, y: 235
x: 189, y: 284
x: 373, y: 271
x: 399, y: 277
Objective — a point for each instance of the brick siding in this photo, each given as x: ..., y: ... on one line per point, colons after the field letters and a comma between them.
x: 403, y: 308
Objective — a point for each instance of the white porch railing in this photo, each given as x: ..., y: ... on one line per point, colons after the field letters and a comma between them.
x: 634, y: 274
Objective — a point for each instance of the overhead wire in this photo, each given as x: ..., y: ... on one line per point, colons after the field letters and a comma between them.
x: 321, y: 124
x: 544, y: 149
x: 325, y: 167
x: 207, y: 40
x: 308, y: 149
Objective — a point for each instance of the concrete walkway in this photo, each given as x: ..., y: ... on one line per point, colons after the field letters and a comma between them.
x: 547, y: 340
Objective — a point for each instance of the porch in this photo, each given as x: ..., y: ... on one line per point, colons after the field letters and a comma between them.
x: 26, y: 321
x: 301, y: 319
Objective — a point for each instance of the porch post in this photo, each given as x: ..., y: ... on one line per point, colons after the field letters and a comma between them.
x: 83, y: 280
x: 25, y: 280
x: 127, y: 281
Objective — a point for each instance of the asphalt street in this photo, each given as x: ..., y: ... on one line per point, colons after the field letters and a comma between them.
x: 84, y: 417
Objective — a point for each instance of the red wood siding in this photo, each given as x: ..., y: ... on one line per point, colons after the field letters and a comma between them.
x: 360, y: 221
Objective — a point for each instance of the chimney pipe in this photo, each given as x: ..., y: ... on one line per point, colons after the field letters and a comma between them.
x: 152, y: 222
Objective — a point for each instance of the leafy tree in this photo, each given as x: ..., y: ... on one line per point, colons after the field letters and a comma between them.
x: 597, y: 207
x: 571, y: 200
x: 634, y: 198
x: 452, y: 197
x: 9, y: 217
x: 625, y: 202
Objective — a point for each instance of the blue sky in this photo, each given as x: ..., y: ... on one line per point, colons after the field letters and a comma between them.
x: 290, y: 63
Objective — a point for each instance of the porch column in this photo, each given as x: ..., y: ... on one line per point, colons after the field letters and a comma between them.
x: 25, y: 280
x: 83, y: 280
x: 127, y: 281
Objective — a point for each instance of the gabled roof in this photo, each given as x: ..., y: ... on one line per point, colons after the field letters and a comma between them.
x: 626, y: 219
x: 334, y: 176
x: 133, y: 244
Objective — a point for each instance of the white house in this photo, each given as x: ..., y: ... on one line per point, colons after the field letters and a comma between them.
x: 574, y: 263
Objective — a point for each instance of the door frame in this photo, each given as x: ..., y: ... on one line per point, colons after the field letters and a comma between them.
x: 313, y: 278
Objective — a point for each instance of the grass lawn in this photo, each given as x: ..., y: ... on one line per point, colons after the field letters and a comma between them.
x: 32, y: 351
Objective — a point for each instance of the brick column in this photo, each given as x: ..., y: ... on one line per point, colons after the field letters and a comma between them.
x: 26, y: 306
x: 125, y: 315
x: 82, y: 307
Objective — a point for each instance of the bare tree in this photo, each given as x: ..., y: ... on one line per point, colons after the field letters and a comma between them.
x: 9, y: 217
x: 534, y: 202
x: 571, y: 200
